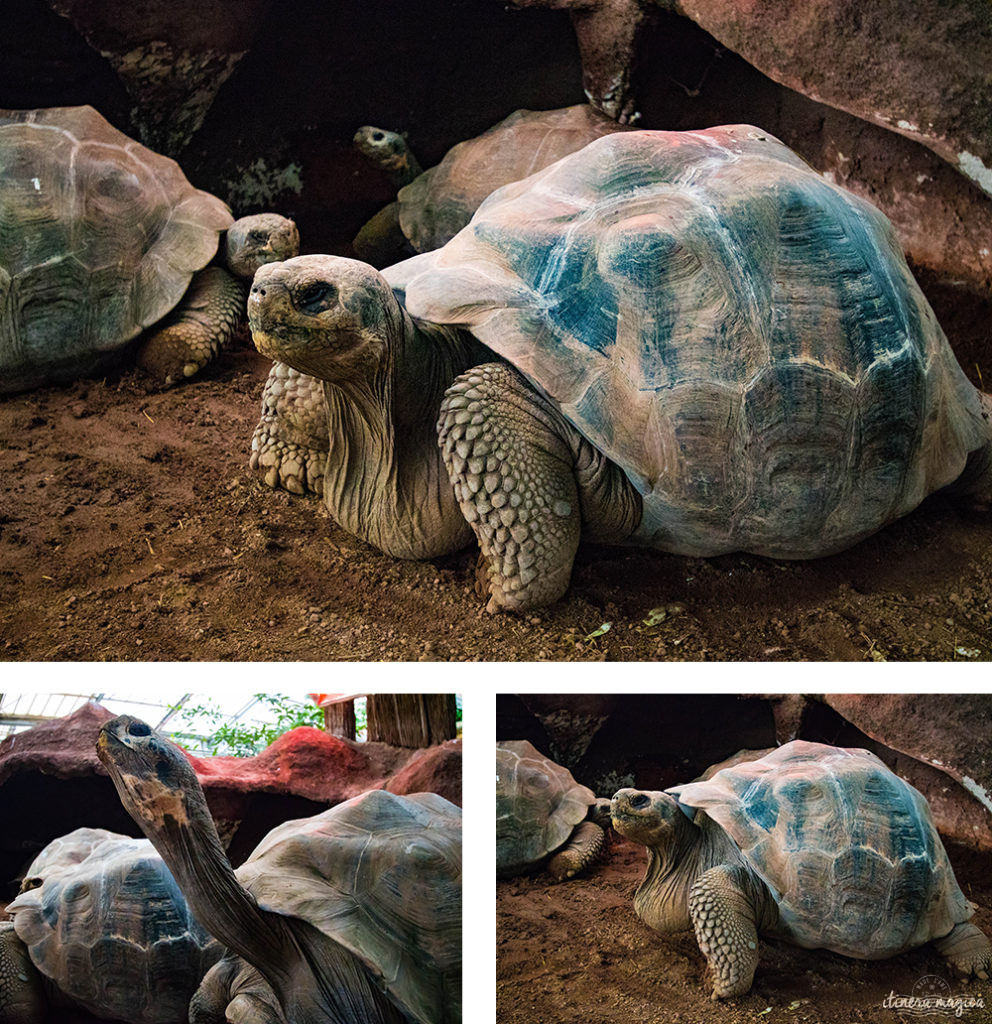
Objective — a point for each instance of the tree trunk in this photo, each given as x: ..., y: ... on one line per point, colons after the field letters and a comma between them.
x: 339, y: 719
x: 411, y: 719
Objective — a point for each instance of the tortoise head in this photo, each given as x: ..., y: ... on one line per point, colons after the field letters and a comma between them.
x: 262, y: 238
x: 387, y: 150
x: 333, y: 318
x: 151, y: 774
x: 651, y: 818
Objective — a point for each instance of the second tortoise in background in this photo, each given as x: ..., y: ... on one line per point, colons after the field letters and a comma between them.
x: 433, y: 206
x: 683, y: 340
x: 543, y: 815
x: 821, y: 846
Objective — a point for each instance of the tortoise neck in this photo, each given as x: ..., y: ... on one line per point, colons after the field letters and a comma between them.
x: 184, y: 834
x: 662, y: 899
x: 385, y: 481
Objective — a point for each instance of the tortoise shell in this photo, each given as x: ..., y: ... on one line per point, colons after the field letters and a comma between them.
x: 848, y: 850
x: 437, y: 204
x: 111, y: 929
x: 381, y: 875
x: 538, y: 805
x: 99, y: 238
x: 742, y: 337
x: 64, y: 851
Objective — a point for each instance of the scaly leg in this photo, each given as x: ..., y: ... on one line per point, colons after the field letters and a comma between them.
x: 290, y: 444
x: 196, y: 330
x: 21, y: 997
x: 528, y: 483
x: 967, y: 950
x: 585, y: 845
x: 723, y: 915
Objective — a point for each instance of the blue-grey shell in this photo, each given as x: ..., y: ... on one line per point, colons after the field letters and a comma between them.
x: 848, y: 849
x: 110, y: 928
x: 381, y: 875
x: 742, y: 337
x: 538, y: 805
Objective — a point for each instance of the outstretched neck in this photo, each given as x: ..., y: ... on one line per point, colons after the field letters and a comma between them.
x: 184, y: 834
x: 662, y: 899
x: 385, y: 481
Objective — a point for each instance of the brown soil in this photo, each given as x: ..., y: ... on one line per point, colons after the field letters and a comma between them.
x: 575, y: 952
x: 131, y: 528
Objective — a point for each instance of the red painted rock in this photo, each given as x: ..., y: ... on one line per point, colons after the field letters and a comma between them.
x: 51, y: 782
x: 434, y: 770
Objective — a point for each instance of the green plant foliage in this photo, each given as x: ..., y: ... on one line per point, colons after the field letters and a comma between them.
x: 243, y: 739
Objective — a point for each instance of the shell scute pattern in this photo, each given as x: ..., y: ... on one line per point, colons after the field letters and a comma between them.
x: 538, y: 805
x: 90, y: 221
x: 107, y: 924
x: 743, y: 338
x: 848, y: 849
x: 348, y: 872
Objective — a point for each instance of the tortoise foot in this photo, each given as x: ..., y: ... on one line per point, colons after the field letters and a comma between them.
x: 193, y: 334
x: 512, y: 475
x: 968, y: 951
x: 585, y: 846
x: 290, y: 444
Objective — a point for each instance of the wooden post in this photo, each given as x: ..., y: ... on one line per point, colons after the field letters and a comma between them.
x: 411, y: 719
x: 339, y: 719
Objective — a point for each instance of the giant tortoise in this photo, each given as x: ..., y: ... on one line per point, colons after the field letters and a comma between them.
x: 822, y: 846
x: 351, y: 915
x: 101, y: 240
x: 683, y: 340
x: 101, y: 925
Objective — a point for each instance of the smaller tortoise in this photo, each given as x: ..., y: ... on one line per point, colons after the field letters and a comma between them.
x: 101, y: 925
x: 821, y: 846
x: 542, y: 812
x: 433, y: 206
x: 102, y: 239
x: 351, y: 915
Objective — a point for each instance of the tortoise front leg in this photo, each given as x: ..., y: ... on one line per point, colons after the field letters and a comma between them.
x: 585, y: 845
x: 21, y: 994
x: 967, y: 949
x: 290, y: 444
x: 721, y: 905
x: 195, y: 331
x: 528, y: 483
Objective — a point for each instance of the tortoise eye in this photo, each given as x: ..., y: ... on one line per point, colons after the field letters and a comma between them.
x: 639, y: 801
x: 138, y: 729
x: 318, y: 296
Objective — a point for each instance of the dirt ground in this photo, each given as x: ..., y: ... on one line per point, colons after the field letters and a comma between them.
x: 575, y: 952
x: 131, y: 529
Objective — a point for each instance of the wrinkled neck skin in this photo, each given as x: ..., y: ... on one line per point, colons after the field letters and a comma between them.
x: 385, y: 481
x: 662, y: 899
